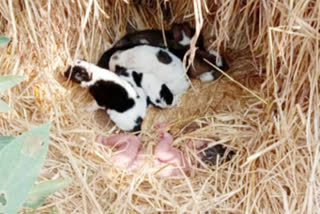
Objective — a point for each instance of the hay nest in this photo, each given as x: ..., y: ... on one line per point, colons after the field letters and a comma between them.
x: 266, y: 109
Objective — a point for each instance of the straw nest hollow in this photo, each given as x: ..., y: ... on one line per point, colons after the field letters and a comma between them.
x: 265, y: 108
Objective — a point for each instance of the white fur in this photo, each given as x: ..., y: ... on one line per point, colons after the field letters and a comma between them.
x: 206, y: 77
x: 151, y: 87
x: 185, y: 39
x: 144, y: 41
x: 143, y: 59
x: 125, y: 120
x: 218, y: 56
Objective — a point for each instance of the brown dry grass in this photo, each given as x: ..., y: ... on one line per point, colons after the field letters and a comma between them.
x: 268, y: 112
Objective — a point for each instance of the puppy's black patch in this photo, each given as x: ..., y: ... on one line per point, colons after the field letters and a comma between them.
x: 137, y: 77
x: 121, y: 71
x: 178, y: 50
x: 111, y: 96
x: 77, y: 74
x: 138, y: 121
x: 166, y: 94
x: 212, y: 154
x: 164, y: 57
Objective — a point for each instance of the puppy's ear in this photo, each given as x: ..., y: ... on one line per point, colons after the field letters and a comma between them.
x: 178, y: 29
x: 188, y: 30
x: 176, y: 32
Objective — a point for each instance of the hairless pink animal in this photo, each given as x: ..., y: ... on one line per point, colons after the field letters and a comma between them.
x: 167, y: 160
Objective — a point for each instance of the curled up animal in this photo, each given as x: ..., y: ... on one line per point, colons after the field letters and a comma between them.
x: 177, y: 41
x: 155, y: 65
x: 125, y: 104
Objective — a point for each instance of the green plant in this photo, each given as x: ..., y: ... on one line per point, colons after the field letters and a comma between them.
x: 4, y: 40
x: 5, y: 83
x: 21, y: 159
x: 9, y: 81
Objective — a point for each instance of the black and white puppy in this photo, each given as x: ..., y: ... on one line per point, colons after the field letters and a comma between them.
x: 157, y: 92
x: 177, y: 41
x: 125, y: 104
x: 154, y: 62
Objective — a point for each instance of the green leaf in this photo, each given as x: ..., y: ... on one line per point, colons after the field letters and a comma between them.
x: 40, y: 191
x: 9, y: 81
x: 20, y: 164
x: 54, y: 212
x: 4, y: 107
x: 4, y: 40
x: 5, y: 140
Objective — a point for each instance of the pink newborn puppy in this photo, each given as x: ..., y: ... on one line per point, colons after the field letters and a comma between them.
x: 127, y: 146
x: 168, y: 157
x: 129, y: 154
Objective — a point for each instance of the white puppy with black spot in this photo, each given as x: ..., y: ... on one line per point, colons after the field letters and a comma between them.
x: 165, y: 66
x: 125, y: 104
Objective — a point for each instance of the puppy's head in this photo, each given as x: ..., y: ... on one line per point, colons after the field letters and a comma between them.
x: 182, y: 33
x: 200, y: 65
x: 218, y: 152
x: 78, y: 72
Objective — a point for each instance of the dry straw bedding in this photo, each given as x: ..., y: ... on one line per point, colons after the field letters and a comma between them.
x: 267, y: 110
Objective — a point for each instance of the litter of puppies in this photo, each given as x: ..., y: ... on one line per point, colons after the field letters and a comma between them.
x: 167, y: 160
x: 142, y: 60
x: 140, y: 70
